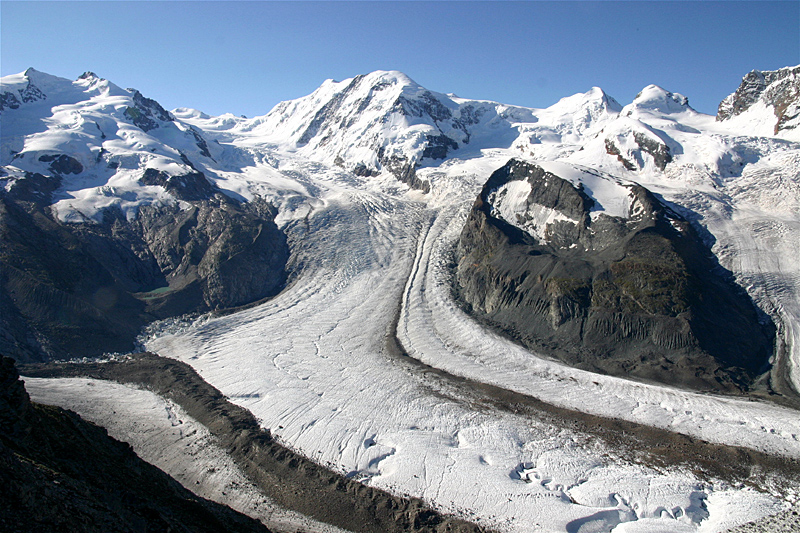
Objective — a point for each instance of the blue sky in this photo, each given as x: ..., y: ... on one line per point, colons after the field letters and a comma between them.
x: 244, y: 57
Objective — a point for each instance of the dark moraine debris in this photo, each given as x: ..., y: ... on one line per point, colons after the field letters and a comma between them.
x: 59, y: 473
x: 287, y: 478
x: 640, y: 297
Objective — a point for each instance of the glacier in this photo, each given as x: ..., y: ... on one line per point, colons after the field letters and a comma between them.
x: 365, y: 362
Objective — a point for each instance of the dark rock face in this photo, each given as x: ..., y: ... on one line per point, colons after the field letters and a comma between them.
x: 778, y: 88
x: 8, y: 100
x: 438, y: 146
x: 404, y: 170
x: 424, y: 104
x: 361, y: 169
x: 636, y: 297
x: 146, y: 112
x: 85, y: 289
x: 189, y: 187
x: 62, y: 164
x: 60, y: 473
x: 31, y: 93
x: 201, y: 143
x: 613, y: 149
x: 658, y: 150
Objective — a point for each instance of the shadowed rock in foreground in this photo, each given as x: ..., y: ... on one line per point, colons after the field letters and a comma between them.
x: 287, y: 478
x: 61, y: 473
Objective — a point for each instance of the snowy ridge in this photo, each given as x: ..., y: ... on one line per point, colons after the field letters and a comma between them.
x: 315, y: 364
x: 366, y: 123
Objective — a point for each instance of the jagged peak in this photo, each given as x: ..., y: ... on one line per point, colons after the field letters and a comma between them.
x: 780, y: 87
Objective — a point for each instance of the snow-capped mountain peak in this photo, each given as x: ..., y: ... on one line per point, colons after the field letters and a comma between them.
x: 654, y: 99
x: 370, y: 124
x: 314, y: 180
x: 380, y: 123
x: 97, y: 138
x: 766, y: 103
x: 580, y: 114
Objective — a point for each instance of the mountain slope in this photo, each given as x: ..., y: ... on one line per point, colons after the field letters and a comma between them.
x: 386, y: 122
x: 107, y: 224
x: 337, y: 364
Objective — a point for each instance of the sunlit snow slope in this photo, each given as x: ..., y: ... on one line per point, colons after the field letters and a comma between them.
x: 372, y: 178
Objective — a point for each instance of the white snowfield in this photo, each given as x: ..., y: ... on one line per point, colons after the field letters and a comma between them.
x: 317, y: 366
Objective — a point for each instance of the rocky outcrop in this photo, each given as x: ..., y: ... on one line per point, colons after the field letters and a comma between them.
x: 778, y: 89
x: 632, y: 146
x: 60, y: 473
x: 403, y: 169
x: 73, y: 290
x: 29, y: 93
x: 62, y: 164
x: 8, y: 100
x: 638, y: 297
x: 146, y: 112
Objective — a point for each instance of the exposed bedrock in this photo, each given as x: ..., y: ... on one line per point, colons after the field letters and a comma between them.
x: 778, y: 89
x: 83, y: 289
x: 637, y: 297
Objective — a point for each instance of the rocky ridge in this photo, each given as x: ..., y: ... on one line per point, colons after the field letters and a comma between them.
x: 777, y: 90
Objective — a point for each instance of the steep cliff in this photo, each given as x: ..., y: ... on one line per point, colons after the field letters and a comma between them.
x: 761, y: 93
x: 83, y: 289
